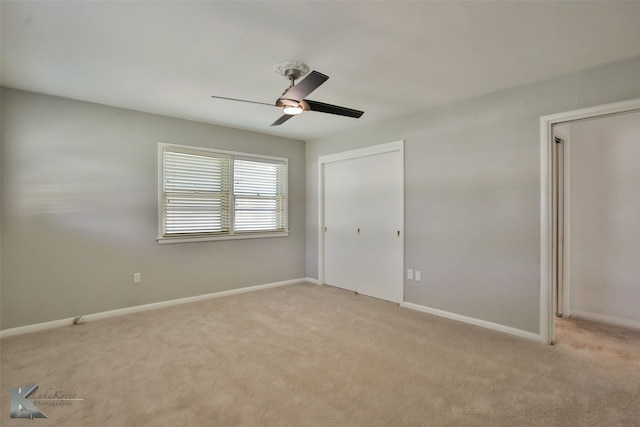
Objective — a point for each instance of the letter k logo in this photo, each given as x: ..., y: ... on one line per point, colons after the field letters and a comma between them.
x: 21, y: 407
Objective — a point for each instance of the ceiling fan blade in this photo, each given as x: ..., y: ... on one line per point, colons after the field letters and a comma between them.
x: 242, y: 100
x: 305, y: 87
x: 282, y: 119
x: 333, y: 109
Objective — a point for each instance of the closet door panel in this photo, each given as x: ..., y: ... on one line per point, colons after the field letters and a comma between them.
x: 340, y: 213
x: 380, y: 219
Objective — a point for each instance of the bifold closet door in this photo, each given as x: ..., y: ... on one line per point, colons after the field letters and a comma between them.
x: 363, y: 216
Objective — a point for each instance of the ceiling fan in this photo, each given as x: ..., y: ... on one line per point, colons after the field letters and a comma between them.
x: 292, y: 100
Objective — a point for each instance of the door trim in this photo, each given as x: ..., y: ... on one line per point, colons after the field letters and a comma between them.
x: 346, y: 155
x: 548, y: 206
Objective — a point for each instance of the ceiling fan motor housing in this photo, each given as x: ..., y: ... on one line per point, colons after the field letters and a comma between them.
x: 284, y: 102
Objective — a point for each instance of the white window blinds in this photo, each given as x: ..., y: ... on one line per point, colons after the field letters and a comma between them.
x: 259, y: 192
x: 206, y: 193
x: 196, y: 192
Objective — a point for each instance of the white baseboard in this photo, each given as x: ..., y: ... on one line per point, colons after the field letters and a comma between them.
x: 612, y: 320
x: 314, y: 281
x: 472, y: 321
x: 36, y: 327
x: 122, y: 311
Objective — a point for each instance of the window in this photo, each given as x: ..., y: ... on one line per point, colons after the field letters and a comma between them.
x: 210, y: 194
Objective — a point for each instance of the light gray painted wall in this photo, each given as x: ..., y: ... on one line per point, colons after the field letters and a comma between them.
x: 79, y: 212
x: 472, y: 192
x: 605, y: 218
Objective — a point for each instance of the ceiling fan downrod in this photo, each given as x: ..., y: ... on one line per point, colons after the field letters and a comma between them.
x: 292, y: 70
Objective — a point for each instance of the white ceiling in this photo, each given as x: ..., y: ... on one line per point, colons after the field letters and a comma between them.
x: 388, y: 58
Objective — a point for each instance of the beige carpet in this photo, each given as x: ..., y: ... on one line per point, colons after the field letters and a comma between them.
x: 307, y: 355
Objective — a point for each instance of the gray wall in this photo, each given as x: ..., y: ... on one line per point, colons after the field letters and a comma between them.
x: 79, y: 212
x: 605, y: 219
x: 472, y: 201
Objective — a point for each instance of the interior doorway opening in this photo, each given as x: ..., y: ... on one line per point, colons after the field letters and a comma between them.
x: 555, y: 288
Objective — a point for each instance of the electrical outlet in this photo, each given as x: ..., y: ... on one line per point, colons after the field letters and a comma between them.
x: 137, y: 278
x: 410, y: 274
x: 417, y: 276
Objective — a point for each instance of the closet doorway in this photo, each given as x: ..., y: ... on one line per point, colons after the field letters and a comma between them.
x: 362, y: 216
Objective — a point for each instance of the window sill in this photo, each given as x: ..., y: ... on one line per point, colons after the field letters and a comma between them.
x: 167, y: 240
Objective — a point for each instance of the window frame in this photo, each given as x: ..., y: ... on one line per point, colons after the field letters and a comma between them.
x: 231, y: 234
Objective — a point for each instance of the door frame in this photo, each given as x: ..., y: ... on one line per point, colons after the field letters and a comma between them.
x: 548, y: 205
x: 347, y: 155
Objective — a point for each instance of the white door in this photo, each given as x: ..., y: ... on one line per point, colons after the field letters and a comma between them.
x: 380, y: 217
x: 340, y: 218
x: 363, y: 218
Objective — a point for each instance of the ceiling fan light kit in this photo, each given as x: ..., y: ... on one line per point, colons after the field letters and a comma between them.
x: 292, y: 101
x: 293, y: 110
x: 291, y: 106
